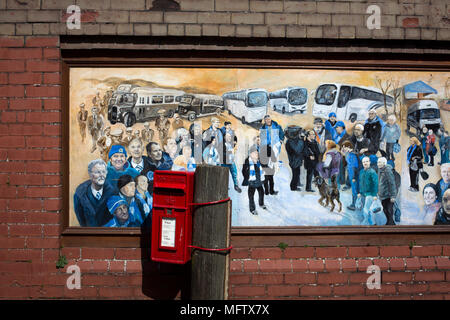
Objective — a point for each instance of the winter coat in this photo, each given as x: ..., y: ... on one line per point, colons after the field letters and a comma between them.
x: 246, y: 174
x: 431, y: 139
x: 327, y: 170
x: 368, y: 182
x: 294, y: 149
x: 165, y: 163
x: 373, y: 130
x: 321, y: 137
x: 340, y: 138
x: 311, y: 148
x: 269, y: 135
x: 415, y: 154
x: 391, y: 133
x: 442, y: 187
x: 91, y: 212
x: 442, y: 218
x: 363, y: 144
x: 386, y: 183
x: 210, y: 132
x: 113, y: 175
x: 352, y: 165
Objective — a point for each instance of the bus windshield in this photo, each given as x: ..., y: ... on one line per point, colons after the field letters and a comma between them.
x: 298, y: 96
x: 326, y: 94
x: 429, y: 114
x: 257, y: 99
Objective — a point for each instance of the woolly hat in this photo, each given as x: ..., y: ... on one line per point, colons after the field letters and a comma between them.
x: 318, y: 120
x: 117, y: 148
x: 253, y: 149
x: 124, y: 180
x: 332, y: 114
x: 114, y: 202
x: 340, y: 124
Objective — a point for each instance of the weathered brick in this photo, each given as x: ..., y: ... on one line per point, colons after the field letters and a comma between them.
x: 146, y: 16
x: 247, y: 18
x: 333, y: 7
x: 210, y: 30
x: 283, y: 291
x: 196, y: 5
x: 266, y: 6
x: 295, y: 31
x: 280, y: 18
x: 300, y: 6
x: 128, y: 5
x: 180, y: 17
x: 243, y: 31
x: 214, y: 17
x: 314, y: 19
x: 13, y: 16
x: 232, y: 5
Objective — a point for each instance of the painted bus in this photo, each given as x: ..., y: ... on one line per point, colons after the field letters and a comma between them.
x: 142, y: 104
x: 290, y: 99
x: 248, y: 105
x: 349, y: 102
x: 193, y: 106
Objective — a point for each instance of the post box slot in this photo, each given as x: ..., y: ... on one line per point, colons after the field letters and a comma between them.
x: 169, y: 197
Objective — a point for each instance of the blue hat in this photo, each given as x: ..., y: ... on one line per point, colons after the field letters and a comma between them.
x: 332, y: 114
x: 117, y: 148
x: 114, y: 202
x: 340, y: 124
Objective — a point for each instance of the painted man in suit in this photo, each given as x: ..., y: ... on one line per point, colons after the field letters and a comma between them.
x: 90, y: 198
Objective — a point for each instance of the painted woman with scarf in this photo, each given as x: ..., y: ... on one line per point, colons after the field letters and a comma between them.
x: 430, y: 148
x: 414, y: 158
x: 339, y: 137
x: 211, y: 154
x: 331, y: 161
x: 253, y: 178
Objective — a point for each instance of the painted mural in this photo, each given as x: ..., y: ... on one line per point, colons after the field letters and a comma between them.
x: 303, y: 147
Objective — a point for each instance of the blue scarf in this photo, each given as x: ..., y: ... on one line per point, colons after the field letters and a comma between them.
x: 410, y: 152
x: 339, y: 136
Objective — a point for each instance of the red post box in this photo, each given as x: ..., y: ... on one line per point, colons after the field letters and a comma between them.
x: 173, y: 194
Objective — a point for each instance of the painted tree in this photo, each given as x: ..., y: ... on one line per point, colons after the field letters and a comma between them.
x: 396, y: 94
x: 384, y: 86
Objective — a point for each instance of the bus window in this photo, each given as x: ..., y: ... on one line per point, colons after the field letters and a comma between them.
x: 157, y: 99
x: 298, y: 96
x: 344, y: 95
x: 325, y: 94
x: 278, y: 94
x: 148, y: 100
x: 215, y: 102
x: 257, y: 99
x: 429, y: 114
x: 168, y: 99
x: 196, y: 102
x: 359, y: 93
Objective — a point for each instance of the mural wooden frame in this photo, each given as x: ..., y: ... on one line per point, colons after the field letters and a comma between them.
x: 246, y: 236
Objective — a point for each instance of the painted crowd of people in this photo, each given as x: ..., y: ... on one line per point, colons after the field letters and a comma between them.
x: 360, y: 159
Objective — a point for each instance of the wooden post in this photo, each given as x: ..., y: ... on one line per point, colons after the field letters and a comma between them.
x: 210, y: 229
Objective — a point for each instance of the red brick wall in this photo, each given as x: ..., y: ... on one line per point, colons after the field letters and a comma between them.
x: 31, y: 193
x: 30, y: 209
x: 421, y: 272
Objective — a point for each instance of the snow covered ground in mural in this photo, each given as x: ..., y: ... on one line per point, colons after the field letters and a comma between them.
x: 290, y: 208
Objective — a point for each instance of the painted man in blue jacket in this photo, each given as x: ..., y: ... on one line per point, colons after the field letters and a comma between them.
x: 90, y: 197
x: 353, y: 169
x: 272, y: 136
x: 118, y: 166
